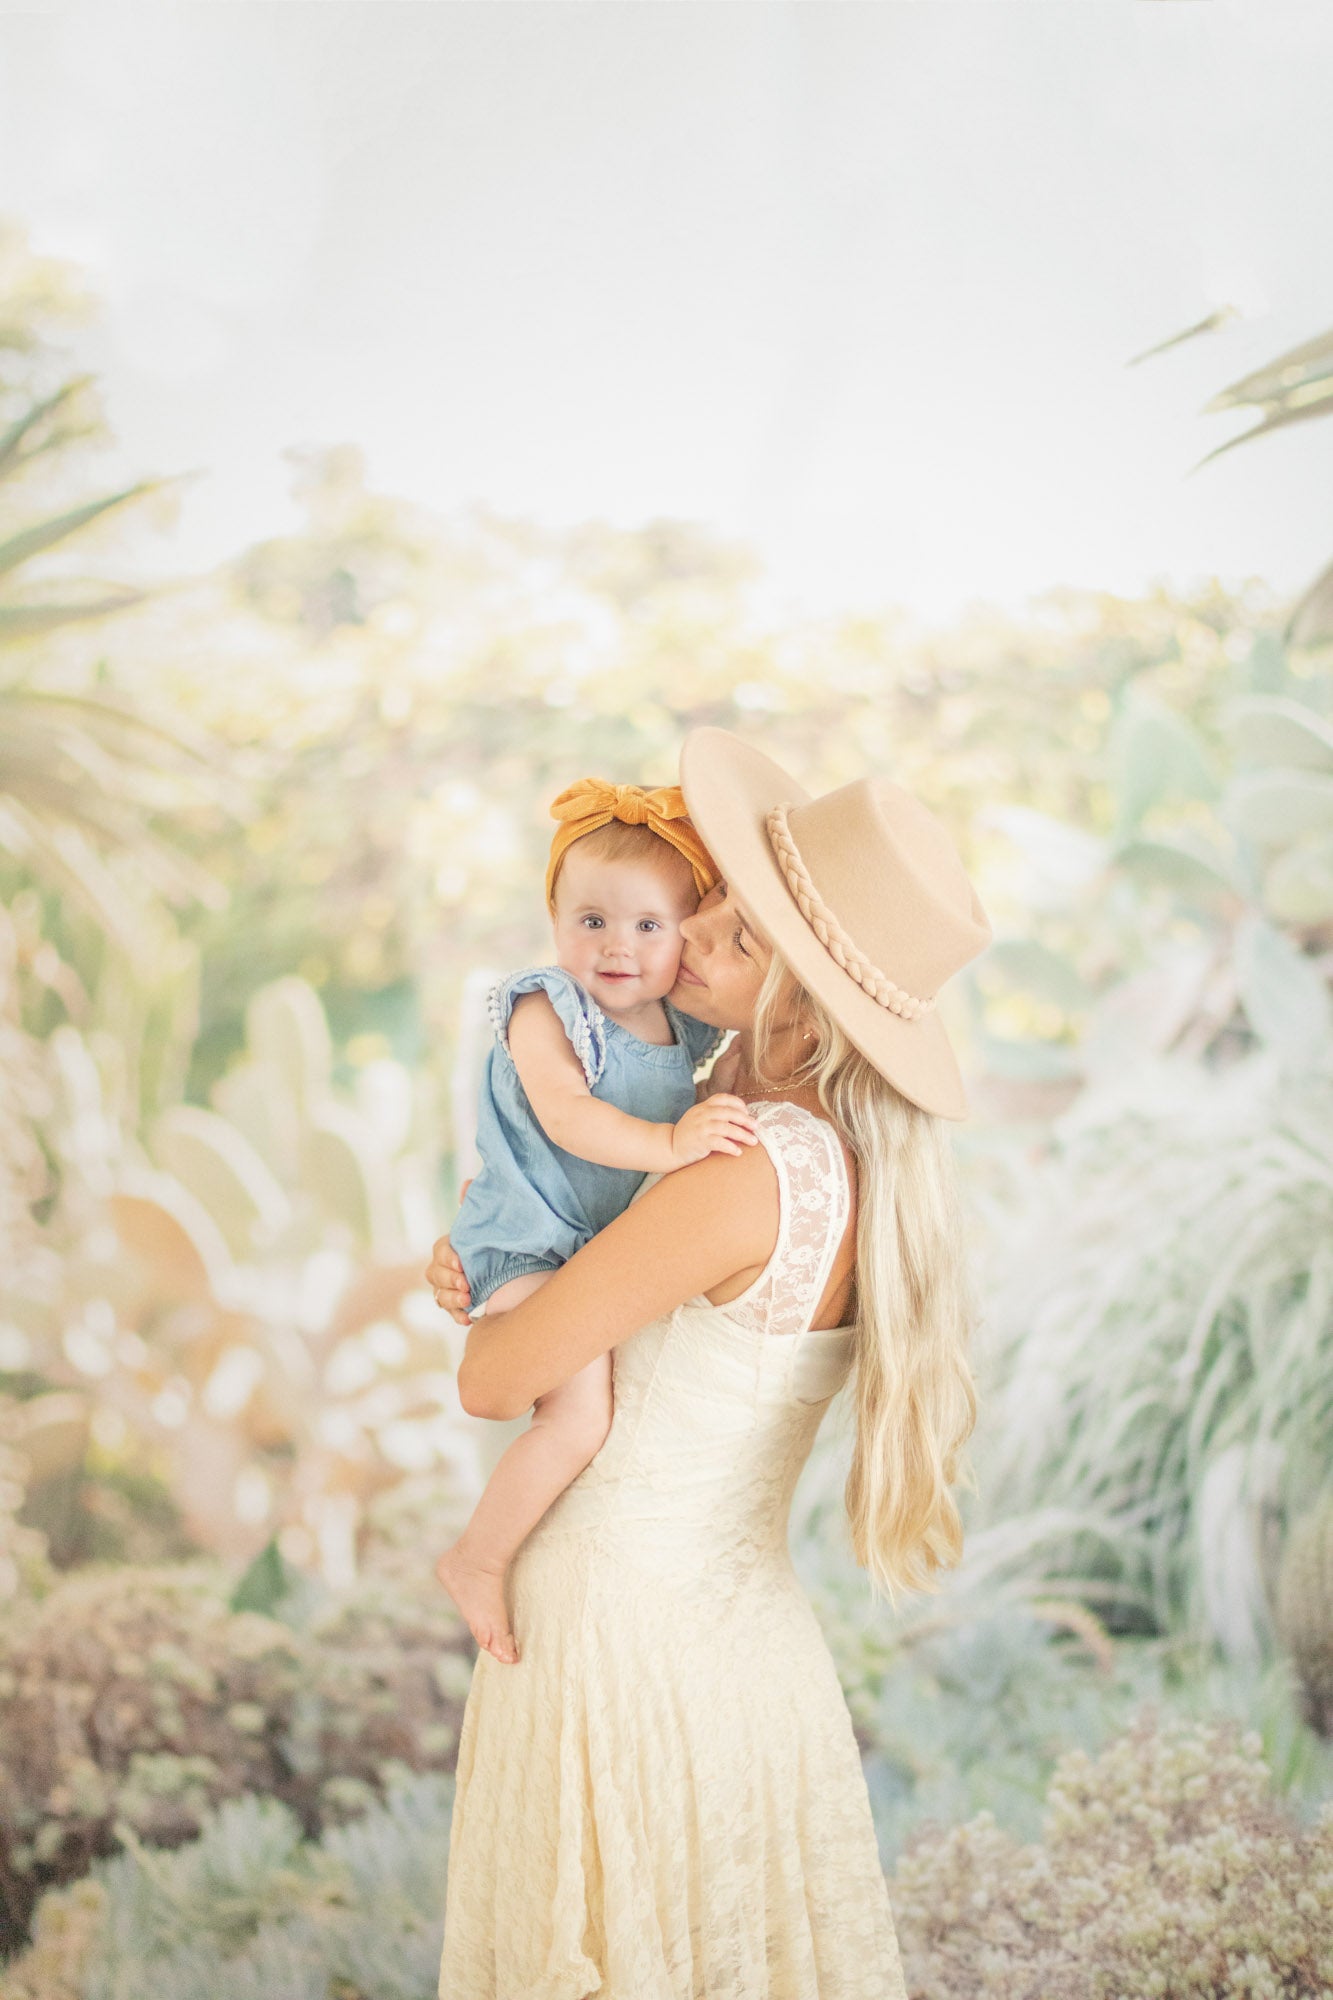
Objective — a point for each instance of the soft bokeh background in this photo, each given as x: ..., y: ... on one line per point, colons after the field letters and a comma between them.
x: 406, y: 410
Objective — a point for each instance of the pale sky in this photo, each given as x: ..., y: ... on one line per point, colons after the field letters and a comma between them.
x: 855, y: 283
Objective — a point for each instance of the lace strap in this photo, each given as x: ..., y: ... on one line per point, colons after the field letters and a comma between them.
x: 815, y: 1202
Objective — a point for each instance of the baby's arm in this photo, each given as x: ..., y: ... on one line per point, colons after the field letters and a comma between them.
x: 569, y: 1114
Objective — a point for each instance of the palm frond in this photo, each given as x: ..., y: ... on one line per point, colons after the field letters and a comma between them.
x: 29, y: 620
x: 1279, y: 380
x: 108, y: 714
x: 43, y: 535
x: 1222, y: 317
x: 63, y: 856
x: 1320, y: 405
x: 12, y: 457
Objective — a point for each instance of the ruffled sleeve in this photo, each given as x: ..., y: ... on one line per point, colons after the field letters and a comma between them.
x: 700, y: 1039
x: 580, y: 1016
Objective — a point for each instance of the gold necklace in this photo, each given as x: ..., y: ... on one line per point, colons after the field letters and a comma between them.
x: 769, y: 1090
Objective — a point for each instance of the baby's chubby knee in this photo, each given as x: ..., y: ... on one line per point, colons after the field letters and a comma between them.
x: 577, y: 1423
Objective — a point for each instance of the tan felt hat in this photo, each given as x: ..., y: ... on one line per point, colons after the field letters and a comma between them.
x: 861, y: 891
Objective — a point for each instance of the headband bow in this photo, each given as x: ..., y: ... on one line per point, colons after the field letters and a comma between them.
x: 591, y: 804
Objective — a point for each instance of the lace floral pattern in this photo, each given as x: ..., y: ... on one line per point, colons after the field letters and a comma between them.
x: 815, y: 1202
x: 664, y: 1800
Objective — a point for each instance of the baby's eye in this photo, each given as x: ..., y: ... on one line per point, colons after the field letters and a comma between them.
x: 592, y: 923
x: 649, y: 924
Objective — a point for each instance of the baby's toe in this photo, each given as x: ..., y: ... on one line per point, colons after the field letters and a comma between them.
x: 505, y: 1648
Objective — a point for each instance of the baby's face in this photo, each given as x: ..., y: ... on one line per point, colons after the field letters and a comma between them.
x: 617, y: 925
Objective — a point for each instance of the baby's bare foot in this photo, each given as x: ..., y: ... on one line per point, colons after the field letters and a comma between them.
x: 479, y: 1594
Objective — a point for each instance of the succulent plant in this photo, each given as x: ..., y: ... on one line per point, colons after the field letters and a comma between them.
x: 1198, y: 925
x: 254, y: 1904
x: 1166, y: 1870
x: 1305, y: 1610
x: 141, y: 1699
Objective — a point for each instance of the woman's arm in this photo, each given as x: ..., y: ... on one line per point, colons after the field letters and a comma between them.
x: 569, y: 1114
x: 689, y: 1233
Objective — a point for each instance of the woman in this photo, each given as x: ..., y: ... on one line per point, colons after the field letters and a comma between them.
x: 663, y: 1800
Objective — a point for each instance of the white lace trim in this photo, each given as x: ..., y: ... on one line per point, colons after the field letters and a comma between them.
x: 588, y: 1036
x: 719, y: 1036
x: 815, y: 1203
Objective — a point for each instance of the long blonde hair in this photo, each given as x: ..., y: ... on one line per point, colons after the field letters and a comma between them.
x: 914, y: 1394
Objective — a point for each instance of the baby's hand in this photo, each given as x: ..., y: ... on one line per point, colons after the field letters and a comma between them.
x: 720, y: 1124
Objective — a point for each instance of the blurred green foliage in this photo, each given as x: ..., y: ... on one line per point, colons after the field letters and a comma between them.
x: 263, y: 832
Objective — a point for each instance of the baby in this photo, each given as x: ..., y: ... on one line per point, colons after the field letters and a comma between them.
x: 590, y: 1087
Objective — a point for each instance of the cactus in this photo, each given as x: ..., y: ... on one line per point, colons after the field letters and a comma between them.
x: 221, y: 1169
x: 1305, y: 1610
x: 291, y: 1351
x: 288, y: 1034
x: 255, y: 1313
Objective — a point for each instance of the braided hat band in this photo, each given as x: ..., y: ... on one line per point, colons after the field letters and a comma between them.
x: 892, y: 891
x: 841, y: 948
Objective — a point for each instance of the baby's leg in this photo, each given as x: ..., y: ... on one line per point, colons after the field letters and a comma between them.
x: 568, y: 1429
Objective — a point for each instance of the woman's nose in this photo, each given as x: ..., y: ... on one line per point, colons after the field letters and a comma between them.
x: 695, y: 929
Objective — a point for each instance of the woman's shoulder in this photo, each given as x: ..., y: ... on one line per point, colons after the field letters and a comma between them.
x: 789, y: 1114
x: 803, y: 1137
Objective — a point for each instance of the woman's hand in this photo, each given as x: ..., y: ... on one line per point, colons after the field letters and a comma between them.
x: 444, y: 1275
x: 692, y: 1231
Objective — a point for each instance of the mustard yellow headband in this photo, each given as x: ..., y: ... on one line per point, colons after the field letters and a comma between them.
x: 591, y: 804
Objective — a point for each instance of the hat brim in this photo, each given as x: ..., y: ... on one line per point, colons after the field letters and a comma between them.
x: 730, y: 789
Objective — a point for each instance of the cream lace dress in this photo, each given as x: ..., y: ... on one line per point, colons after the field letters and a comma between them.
x: 663, y: 1799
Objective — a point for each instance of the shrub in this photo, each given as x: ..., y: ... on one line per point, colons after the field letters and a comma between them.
x: 1167, y: 1870
x: 251, y: 1911
x: 142, y: 1698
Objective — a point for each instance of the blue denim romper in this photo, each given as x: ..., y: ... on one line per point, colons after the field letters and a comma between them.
x: 531, y: 1204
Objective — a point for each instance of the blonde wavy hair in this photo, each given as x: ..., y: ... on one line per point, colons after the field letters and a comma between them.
x: 913, y: 1389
